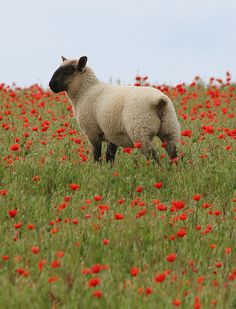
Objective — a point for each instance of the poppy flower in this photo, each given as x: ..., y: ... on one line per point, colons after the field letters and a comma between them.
x: 105, y: 242
x: 12, y: 213
x: 181, y: 233
x: 134, y: 271
x: 94, y: 282
x: 160, y: 277
x: 74, y: 186
x: 171, y: 257
x: 14, y: 147
x: 35, y: 250
x: 158, y: 185
x: 119, y: 216
x: 97, y: 294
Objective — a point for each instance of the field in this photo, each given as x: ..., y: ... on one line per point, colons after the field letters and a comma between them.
x: 75, y: 234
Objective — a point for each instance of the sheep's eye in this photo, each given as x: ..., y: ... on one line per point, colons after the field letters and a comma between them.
x: 69, y: 70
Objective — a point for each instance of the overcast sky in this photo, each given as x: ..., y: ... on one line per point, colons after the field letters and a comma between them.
x: 170, y: 41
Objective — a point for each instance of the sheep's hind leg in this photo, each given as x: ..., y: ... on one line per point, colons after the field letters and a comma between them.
x: 111, y: 152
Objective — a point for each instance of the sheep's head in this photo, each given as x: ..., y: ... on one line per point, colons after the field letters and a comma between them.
x: 65, y: 74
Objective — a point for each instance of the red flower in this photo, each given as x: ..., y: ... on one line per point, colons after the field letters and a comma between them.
x: 181, y: 233
x: 171, y: 257
x: 158, y: 185
x: 3, y: 192
x: 35, y: 250
x: 134, y: 271
x: 137, y: 145
x: 197, y: 197
x: 176, y: 302
x: 5, y: 257
x: 177, y: 205
x: 97, y: 293
x: 97, y: 198
x: 14, y: 147
x: 139, y: 189
x: 55, y: 264
x: 95, y: 268
x: 160, y: 277
x: 148, y: 291
x: 94, y: 282
x: 12, y: 213
x: 161, y: 207
x: 127, y: 150
x: 187, y: 133
x: 119, y: 216
x: 74, y: 186
x: 53, y: 279
x: 105, y: 242
x: 17, y: 225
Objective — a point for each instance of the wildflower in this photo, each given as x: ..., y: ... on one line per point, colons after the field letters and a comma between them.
x: 74, y: 186
x: 55, y: 264
x: 105, y: 242
x: 53, y: 279
x: 137, y: 145
x: 119, y: 216
x: 158, y: 185
x: 160, y: 277
x: 96, y: 268
x: 14, y: 147
x: 171, y: 257
x: 139, y: 189
x: 127, y: 150
x: 12, y: 213
x: 94, y: 282
x: 97, y: 294
x: 181, y: 233
x: 35, y: 250
x: 134, y: 271
x: 97, y: 198
x: 196, y: 197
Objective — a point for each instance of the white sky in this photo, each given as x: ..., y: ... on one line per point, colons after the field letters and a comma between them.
x: 170, y: 41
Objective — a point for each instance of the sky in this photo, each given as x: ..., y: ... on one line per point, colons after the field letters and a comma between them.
x: 168, y: 40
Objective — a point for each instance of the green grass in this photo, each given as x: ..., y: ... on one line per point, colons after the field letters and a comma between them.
x: 133, y: 242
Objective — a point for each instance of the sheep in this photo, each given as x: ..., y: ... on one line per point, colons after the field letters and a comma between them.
x: 119, y: 115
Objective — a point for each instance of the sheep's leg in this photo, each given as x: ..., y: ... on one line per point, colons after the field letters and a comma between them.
x: 111, y: 152
x: 97, y: 151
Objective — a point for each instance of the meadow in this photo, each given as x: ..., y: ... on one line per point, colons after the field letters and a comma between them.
x: 75, y: 234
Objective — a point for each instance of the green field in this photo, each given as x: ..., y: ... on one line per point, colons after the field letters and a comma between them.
x: 75, y: 234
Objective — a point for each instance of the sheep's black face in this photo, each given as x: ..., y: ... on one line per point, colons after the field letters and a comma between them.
x: 62, y: 78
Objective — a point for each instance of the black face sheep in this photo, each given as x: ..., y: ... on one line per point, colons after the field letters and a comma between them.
x: 119, y: 115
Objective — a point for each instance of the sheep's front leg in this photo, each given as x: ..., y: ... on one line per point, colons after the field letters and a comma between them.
x: 111, y: 152
x: 97, y: 151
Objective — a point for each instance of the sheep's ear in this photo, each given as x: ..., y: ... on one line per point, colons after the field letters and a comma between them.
x: 63, y: 58
x: 82, y: 63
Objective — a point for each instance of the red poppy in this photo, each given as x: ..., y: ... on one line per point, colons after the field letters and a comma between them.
x: 12, y: 213
x: 134, y: 271
x: 14, y: 147
x: 171, y: 257
x: 97, y: 294
x: 35, y: 250
x: 160, y: 277
x: 94, y: 282
x: 119, y: 216
x: 74, y: 186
